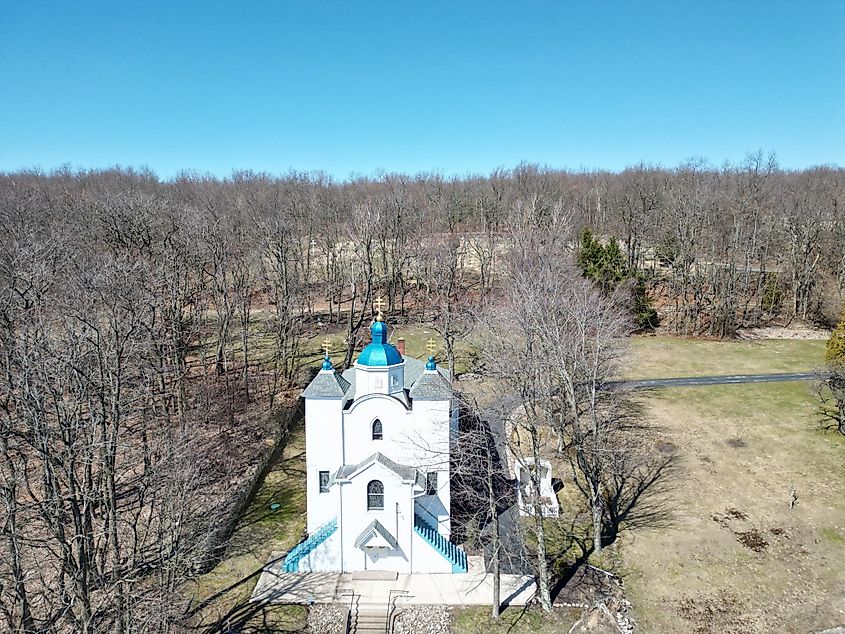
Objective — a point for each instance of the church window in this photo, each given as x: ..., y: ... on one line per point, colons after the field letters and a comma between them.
x: 377, y: 431
x: 394, y: 381
x: 324, y: 481
x: 375, y: 496
x: 431, y: 483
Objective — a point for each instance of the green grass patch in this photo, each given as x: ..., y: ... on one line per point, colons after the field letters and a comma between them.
x: 668, y: 357
x: 743, y: 401
x: 832, y: 535
x: 224, y: 591
x: 513, y: 620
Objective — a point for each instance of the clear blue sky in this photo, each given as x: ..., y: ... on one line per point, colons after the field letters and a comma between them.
x: 458, y: 87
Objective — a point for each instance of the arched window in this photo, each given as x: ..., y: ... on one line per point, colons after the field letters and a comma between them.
x: 377, y: 432
x: 375, y: 496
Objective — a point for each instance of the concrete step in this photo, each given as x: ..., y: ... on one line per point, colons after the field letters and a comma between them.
x: 374, y: 575
x: 370, y: 618
x: 376, y: 625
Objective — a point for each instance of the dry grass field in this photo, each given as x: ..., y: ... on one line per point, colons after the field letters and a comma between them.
x: 734, y: 557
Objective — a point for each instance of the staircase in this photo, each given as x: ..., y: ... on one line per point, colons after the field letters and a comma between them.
x: 369, y: 618
x: 291, y: 563
x: 453, y: 553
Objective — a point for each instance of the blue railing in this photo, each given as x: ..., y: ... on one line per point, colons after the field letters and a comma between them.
x: 304, y: 547
x: 453, y: 553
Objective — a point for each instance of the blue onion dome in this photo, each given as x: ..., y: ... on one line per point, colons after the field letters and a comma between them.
x: 379, y: 353
x: 327, y: 363
x: 431, y: 365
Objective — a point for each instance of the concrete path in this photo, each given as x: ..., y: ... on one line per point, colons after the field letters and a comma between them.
x: 472, y: 588
x: 721, y: 380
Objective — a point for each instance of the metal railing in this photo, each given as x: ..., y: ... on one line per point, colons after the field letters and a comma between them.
x: 391, y: 607
x: 306, y: 546
x: 450, y: 551
x: 348, y: 627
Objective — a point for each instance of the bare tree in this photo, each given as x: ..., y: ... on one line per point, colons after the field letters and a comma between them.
x: 482, y: 487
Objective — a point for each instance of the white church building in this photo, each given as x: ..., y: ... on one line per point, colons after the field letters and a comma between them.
x: 378, y: 440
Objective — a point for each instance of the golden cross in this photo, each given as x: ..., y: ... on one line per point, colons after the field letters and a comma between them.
x: 379, y: 304
x: 431, y: 345
x: 327, y: 345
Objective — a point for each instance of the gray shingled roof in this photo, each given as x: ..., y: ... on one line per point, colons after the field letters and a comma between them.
x: 327, y: 385
x: 376, y: 526
x: 403, y: 471
x: 413, y: 369
x: 425, y: 386
x: 431, y: 386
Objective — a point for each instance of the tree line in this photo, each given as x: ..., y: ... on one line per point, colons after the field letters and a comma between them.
x: 145, y: 325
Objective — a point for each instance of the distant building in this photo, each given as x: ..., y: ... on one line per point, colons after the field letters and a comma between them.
x: 378, y: 440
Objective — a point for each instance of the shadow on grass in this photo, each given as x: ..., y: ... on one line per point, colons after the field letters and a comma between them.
x: 241, y: 616
x: 637, y: 497
x: 292, y: 470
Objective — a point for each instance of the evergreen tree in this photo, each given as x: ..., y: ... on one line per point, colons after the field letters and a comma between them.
x: 607, y: 266
x: 835, y: 354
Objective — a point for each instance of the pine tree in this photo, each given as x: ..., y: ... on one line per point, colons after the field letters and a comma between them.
x: 835, y: 354
x: 607, y: 266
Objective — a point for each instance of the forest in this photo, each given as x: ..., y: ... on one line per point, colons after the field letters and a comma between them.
x: 148, y: 326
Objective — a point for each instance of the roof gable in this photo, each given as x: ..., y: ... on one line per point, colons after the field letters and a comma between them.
x: 327, y: 384
x: 431, y: 386
x: 404, y: 472
x: 376, y: 536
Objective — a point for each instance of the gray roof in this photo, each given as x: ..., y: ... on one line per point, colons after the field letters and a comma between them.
x: 413, y: 369
x: 327, y: 385
x: 376, y: 526
x: 403, y: 471
x: 431, y: 386
x: 425, y: 386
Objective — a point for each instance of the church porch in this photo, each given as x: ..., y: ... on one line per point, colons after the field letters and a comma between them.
x: 473, y: 588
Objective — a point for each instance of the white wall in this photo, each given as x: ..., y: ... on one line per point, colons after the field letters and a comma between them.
x: 427, y: 559
x: 324, y: 558
x: 430, y: 436
x: 323, y: 452
x: 357, y: 428
x: 379, y: 380
x: 396, y: 517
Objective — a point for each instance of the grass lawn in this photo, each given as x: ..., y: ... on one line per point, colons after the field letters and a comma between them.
x: 514, y: 620
x: 668, y: 357
x: 224, y: 592
x: 733, y: 556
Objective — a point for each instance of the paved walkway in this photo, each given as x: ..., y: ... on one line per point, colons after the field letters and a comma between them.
x: 721, y: 380
x: 472, y: 588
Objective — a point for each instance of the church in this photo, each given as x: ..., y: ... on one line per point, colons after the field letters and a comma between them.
x: 377, y: 441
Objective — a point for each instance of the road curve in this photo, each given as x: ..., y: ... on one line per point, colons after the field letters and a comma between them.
x: 721, y: 380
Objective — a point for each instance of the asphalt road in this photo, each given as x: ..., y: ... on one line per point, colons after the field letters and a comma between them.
x: 721, y: 380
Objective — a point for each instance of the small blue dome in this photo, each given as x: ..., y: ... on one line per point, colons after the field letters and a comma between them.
x: 327, y: 363
x: 379, y: 332
x: 431, y: 365
x: 379, y: 353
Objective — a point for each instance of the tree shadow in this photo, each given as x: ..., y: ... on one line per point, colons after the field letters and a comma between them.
x: 638, y: 496
x: 246, y: 616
